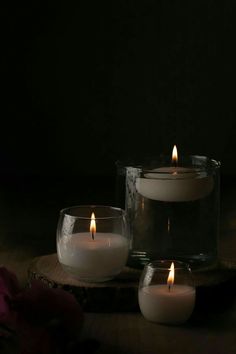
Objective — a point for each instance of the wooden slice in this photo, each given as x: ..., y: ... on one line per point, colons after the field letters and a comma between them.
x: 119, y: 294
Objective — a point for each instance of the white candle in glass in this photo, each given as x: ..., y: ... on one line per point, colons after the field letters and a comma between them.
x: 174, y: 183
x: 167, y: 303
x: 93, y: 256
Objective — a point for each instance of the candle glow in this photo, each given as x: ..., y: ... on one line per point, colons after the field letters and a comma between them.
x: 171, y: 276
x: 93, y: 225
x: 175, y: 155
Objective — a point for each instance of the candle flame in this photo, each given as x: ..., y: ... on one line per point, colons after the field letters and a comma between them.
x: 175, y: 155
x: 93, y: 224
x: 171, y: 277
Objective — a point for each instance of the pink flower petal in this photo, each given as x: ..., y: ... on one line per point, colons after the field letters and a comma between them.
x: 9, y: 287
x: 8, y: 282
x: 46, y: 320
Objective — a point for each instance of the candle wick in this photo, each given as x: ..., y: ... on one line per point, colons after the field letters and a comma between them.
x: 169, y: 287
x: 92, y: 235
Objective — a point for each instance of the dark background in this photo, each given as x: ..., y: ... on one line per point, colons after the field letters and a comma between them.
x: 85, y: 83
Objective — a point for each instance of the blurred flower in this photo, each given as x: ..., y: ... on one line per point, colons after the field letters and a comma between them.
x: 44, y: 320
x: 9, y: 287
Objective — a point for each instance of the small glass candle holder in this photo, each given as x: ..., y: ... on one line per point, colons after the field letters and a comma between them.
x: 92, y: 242
x: 166, y: 292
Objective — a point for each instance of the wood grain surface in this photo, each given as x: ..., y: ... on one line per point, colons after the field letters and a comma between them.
x: 121, y: 333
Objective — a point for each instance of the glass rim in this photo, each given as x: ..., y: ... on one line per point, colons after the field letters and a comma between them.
x: 121, y: 212
x: 209, y: 162
x: 157, y: 264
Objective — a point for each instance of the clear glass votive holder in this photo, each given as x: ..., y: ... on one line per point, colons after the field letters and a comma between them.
x: 173, y: 211
x: 166, y: 292
x: 92, y: 242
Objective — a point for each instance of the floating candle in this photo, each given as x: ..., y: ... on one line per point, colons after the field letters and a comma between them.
x: 174, y: 183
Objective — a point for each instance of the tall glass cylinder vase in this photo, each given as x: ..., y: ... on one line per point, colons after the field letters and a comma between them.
x: 173, y: 210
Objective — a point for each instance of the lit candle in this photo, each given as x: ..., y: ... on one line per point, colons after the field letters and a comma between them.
x: 175, y: 183
x: 93, y: 256
x: 167, y: 303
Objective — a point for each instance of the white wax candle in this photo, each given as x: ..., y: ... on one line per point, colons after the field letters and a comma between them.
x: 158, y: 304
x: 174, y: 184
x: 93, y: 260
